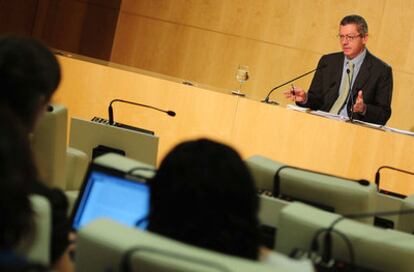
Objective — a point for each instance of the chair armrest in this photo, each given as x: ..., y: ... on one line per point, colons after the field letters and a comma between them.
x: 76, y: 165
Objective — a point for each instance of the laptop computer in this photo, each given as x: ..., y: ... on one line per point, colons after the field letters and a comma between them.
x: 110, y: 193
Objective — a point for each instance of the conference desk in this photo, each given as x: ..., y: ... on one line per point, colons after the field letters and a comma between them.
x: 296, y: 138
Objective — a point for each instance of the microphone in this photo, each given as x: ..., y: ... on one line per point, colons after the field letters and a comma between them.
x: 111, y: 112
x: 350, y: 96
x: 113, y: 123
x: 378, y: 176
x: 266, y: 100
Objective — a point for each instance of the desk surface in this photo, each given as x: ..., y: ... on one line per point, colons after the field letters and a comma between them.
x: 291, y: 137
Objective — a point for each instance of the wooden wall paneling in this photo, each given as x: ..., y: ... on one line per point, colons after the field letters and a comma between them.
x: 402, y: 101
x: 84, y: 27
x: 207, y: 57
x: 171, y: 49
x: 17, y: 17
x: 396, y: 35
x: 99, y: 29
x: 110, y: 4
x: 63, y: 24
x: 275, y: 65
x: 304, y: 24
x: 41, y: 18
x: 396, y: 42
x: 151, y: 47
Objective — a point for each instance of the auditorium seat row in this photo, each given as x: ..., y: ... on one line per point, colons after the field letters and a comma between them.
x: 331, y: 193
x: 280, y: 187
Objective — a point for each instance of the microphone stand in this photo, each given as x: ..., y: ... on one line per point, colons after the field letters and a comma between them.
x: 266, y: 100
x: 111, y: 112
x: 350, y: 96
x: 112, y: 122
x: 378, y: 176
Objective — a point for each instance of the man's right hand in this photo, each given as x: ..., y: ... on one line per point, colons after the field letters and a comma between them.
x: 296, y: 94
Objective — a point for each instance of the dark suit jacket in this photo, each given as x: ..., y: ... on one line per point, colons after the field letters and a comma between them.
x: 374, y: 79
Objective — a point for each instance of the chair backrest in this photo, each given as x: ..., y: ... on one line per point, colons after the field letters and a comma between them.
x: 375, y: 248
x: 102, y: 245
x: 340, y: 195
x: 49, y: 146
x: 58, y: 165
x: 388, y: 203
x: 336, y: 194
x: 406, y: 221
x: 263, y: 171
x: 76, y: 165
x: 270, y: 208
x: 125, y: 164
x: 39, y: 249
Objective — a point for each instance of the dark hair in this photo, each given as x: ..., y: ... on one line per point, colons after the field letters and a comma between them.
x: 17, y: 173
x: 359, y: 21
x: 28, y: 72
x: 204, y: 195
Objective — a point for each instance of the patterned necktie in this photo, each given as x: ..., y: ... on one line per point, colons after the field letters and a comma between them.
x: 343, y: 94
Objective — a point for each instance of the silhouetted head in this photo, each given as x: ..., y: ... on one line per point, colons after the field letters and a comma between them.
x: 204, y: 195
x: 29, y: 75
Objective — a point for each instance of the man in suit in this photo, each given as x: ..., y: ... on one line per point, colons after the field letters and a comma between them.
x: 369, y: 77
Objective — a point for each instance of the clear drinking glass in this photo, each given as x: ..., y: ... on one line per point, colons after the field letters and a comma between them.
x: 242, y: 75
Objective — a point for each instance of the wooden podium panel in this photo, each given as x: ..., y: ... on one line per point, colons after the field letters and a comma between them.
x: 291, y: 137
x: 325, y: 145
x: 87, y: 89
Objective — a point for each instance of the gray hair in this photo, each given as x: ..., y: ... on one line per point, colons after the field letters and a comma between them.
x: 359, y: 21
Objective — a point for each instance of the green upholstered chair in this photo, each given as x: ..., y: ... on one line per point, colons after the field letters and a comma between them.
x: 103, y: 244
x: 376, y: 248
x: 328, y: 192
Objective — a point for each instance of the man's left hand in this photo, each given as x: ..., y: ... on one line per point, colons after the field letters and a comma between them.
x: 359, y: 105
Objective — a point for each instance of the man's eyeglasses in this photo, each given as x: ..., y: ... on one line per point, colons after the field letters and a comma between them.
x: 348, y: 38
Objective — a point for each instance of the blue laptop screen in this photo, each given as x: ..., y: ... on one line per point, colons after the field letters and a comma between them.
x: 114, y: 197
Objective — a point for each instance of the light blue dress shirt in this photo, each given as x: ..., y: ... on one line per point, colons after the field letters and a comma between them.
x: 357, y: 61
